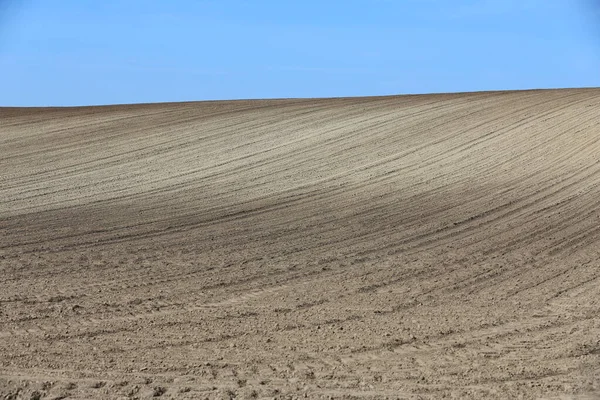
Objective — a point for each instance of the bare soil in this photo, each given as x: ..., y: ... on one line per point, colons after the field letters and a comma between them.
x: 360, y: 248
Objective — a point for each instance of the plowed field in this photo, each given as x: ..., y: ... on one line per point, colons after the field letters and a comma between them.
x: 401, y: 247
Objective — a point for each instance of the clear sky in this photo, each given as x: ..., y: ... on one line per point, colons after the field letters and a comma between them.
x: 77, y: 52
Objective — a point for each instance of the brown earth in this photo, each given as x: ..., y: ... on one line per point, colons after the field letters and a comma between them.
x: 394, y: 247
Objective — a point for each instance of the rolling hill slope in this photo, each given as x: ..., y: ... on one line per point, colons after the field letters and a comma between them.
x: 401, y: 246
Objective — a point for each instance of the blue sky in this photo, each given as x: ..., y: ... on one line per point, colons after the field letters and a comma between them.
x: 78, y: 52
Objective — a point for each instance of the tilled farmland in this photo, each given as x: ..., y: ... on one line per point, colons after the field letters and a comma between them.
x: 410, y: 247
